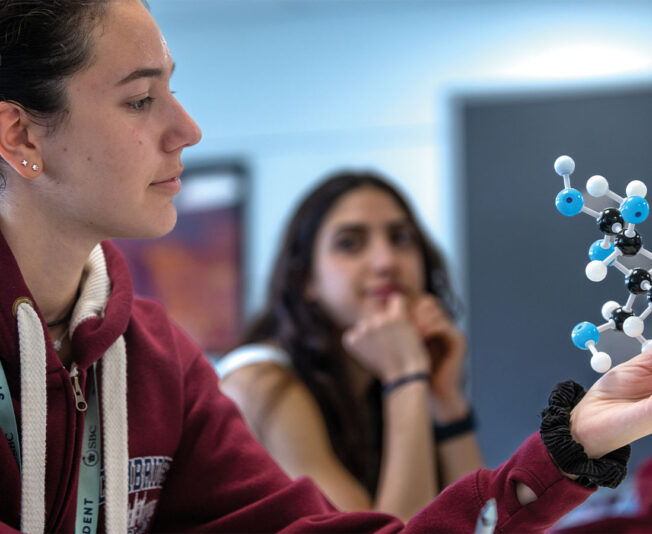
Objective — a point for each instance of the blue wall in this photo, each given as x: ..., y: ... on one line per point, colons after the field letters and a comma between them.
x: 300, y: 87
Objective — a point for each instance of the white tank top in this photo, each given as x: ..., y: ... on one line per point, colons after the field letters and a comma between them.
x: 250, y: 354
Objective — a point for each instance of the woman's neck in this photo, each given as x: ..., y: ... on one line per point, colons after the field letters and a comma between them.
x: 50, y: 264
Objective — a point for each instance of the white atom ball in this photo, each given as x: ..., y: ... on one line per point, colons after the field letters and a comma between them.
x: 601, y: 362
x: 564, y: 165
x: 597, y: 186
x: 608, y: 308
x: 596, y: 271
x: 633, y: 326
x: 646, y: 346
x: 636, y: 188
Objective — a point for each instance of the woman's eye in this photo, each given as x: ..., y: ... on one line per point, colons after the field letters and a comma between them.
x: 403, y: 238
x: 141, y: 104
x: 348, y: 243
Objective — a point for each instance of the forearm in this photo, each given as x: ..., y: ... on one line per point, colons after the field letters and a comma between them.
x: 458, y: 454
x: 408, y: 472
x: 457, y: 457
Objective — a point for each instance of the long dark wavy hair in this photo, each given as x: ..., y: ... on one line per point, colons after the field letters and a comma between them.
x: 312, y: 339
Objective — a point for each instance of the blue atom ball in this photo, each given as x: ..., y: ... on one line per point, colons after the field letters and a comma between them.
x: 584, y: 332
x: 569, y: 202
x: 635, y: 209
x: 596, y: 252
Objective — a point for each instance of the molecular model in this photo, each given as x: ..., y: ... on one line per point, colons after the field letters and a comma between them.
x: 620, y: 239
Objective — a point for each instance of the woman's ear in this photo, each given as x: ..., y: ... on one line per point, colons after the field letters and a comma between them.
x: 16, y: 147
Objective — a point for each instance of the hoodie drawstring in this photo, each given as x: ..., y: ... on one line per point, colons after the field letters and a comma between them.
x: 116, y: 438
x: 31, y: 339
x: 34, y: 418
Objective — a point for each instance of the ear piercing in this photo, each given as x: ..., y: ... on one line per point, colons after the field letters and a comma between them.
x: 35, y: 166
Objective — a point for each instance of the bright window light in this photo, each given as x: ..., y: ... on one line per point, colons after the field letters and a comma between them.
x: 572, y: 61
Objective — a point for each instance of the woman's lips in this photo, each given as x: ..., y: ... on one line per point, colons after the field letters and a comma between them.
x: 384, y: 292
x: 173, y: 185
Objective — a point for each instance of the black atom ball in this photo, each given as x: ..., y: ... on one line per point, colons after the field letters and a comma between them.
x: 634, y: 280
x: 619, y: 315
x: 608, y: 218
x: 629, y: 246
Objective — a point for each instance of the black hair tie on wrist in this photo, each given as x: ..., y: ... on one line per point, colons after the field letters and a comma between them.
x: 456, y: 428
x: 609, y: 471
x: 394, y: 384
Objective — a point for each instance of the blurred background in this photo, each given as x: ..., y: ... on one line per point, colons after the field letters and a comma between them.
x: 466, y: 105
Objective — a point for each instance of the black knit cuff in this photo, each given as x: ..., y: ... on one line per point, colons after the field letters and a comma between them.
x: 609, y: 471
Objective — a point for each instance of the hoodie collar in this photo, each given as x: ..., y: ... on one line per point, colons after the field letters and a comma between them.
x: 99, y: 318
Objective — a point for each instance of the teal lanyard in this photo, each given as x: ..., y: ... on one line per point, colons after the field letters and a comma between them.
x: 88, y: 493
x: 8, y: 417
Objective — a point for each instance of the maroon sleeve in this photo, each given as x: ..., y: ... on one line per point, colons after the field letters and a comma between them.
x: 222, y: 480
x: 530, y: 464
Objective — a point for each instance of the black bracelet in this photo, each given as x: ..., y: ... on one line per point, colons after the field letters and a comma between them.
x: 454, y: 429
x: 394, y: 384
x: 609, y: 471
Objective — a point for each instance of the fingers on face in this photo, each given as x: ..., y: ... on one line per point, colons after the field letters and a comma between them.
x: 428, y: 306
x: 397, y: 305
x: 394, y: 313
x: 427, y: 300
x: 430, y: 319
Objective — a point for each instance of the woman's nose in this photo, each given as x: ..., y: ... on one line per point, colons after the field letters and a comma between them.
x: 183, y: 131
x: 382, y: 256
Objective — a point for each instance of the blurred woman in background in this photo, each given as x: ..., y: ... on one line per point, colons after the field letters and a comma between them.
x: 353, y: 373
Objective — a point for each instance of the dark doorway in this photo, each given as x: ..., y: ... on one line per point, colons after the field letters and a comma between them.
x: 526, y: 282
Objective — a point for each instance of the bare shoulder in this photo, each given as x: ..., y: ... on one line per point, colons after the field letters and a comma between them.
x: 252, y: 385
x: 278, y: 407
x: 261, y: 389
x: 285, y: 417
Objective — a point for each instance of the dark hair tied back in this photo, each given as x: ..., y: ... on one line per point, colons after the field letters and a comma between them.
x: 42, y: 44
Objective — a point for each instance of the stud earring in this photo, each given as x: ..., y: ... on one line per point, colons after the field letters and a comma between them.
x: 24, y: 163
x: 35, y: 167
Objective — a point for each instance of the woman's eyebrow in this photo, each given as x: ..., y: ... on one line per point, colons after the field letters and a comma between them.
x: 400, y: 223
x: 144, y: 73
x: 350, y: 227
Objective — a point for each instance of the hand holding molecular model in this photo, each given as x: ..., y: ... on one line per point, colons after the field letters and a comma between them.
x: 619, y: 239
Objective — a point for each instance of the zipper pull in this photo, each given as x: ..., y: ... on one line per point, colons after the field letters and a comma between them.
x: 80, y: 401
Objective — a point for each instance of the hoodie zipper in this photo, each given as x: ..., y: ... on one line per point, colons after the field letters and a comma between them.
x: 81, y: 406
x: 80, y: 401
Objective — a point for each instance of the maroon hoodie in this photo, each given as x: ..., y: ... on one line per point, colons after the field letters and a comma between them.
x: 638, y: 523
x: 193, y: 465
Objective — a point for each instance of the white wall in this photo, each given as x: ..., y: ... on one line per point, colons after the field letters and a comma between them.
x: 300, y: 87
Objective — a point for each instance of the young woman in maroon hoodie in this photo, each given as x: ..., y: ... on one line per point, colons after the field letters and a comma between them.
x: 111, y: 419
